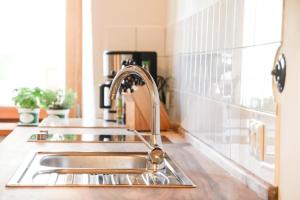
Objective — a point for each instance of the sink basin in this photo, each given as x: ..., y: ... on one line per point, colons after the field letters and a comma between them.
x: 95, y: 161
x: 123, y: 169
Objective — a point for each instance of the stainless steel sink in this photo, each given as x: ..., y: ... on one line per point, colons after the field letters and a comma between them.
x: 95, y: 161
x: 96, y: 169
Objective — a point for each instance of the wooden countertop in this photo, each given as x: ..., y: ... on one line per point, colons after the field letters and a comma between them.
x: 6, y: 128
x: 211, y: 180
x: 78, y: 123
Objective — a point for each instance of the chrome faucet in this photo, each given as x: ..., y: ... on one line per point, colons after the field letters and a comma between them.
x: 156, y: 154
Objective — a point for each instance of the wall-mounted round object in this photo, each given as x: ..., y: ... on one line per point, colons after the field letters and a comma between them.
x: 279, y: 72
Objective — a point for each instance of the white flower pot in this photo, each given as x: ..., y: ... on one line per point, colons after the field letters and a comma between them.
x: 58, y: 114
x: 29, y: 116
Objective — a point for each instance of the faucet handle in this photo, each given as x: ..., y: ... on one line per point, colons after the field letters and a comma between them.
x: 157, y: 155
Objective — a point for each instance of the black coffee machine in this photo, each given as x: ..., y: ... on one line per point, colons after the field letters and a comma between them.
x: 113, y: 61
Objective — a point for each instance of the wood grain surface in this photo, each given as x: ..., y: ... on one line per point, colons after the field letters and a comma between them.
x: 139, y: 112
x: 213, y: 183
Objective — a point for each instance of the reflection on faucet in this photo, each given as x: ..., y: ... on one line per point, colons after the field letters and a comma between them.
x: 156, y: 155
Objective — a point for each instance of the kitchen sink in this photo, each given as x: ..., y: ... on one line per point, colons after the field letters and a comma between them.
x: 124, y: 169
x: 95, y: 161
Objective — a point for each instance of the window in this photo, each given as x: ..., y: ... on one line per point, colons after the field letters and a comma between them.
x: 32, y: 45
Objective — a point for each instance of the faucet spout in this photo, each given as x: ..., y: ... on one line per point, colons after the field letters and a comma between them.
x: 155, y: 142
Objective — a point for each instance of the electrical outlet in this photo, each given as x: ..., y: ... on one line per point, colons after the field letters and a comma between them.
x: 257, y: 138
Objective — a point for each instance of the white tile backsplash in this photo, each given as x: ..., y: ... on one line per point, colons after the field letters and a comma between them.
x: 121, y: 38
x: 268, y: 18
x: 204, y: 30
x: 162, y: 66
x: 230, y: 23
x: 144, y: 38
x: 170, y: 38
x: 223, y: 24
x: 220, y: 61
x: 209, y: 31
x: 199, y: 43
x: 216, y: 26
x: 246, y: 28
x: 151, y: 39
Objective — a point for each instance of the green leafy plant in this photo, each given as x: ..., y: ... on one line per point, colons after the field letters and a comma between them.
x: 58, y: 99
x: 48, y: 98
x: 27, y: 97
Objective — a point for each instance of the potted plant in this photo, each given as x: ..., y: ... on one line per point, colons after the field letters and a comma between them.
x: 58, y: 102
x: 27, y: 101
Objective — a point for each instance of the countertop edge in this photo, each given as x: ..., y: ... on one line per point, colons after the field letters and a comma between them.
x: 263, y: 189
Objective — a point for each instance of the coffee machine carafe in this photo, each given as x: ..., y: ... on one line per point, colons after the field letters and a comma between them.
x: 112, y: 63
x: 109, y: 113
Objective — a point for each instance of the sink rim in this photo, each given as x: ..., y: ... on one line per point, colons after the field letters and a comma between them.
x: 185, y: 181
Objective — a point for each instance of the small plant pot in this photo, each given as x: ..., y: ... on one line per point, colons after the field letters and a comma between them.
x: 58, y: 114
x: 28, y: 116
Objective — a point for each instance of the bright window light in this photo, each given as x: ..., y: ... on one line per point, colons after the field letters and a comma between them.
x: 32, y: 45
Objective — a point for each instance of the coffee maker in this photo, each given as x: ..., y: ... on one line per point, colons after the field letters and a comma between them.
x: 113, y: 61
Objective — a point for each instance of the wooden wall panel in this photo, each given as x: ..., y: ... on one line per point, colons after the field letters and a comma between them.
x: 74, y: 51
